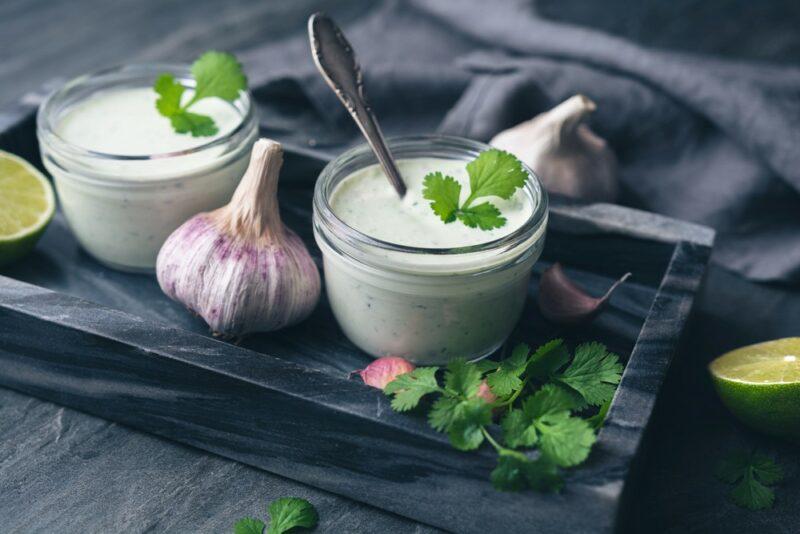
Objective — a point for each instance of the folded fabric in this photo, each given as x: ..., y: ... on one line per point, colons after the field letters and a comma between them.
x: 701, y: 139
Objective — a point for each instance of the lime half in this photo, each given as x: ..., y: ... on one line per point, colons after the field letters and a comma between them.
x: 760, y: 384
x: 27, y: 204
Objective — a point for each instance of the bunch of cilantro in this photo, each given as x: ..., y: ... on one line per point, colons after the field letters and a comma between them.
x: 541, y: 399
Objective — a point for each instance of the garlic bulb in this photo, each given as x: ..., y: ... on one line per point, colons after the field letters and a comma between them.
x: 566, y: 155
x: 239, y: 267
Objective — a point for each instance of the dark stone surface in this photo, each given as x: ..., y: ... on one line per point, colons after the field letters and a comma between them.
x: 64, y: 471
x: 56, y: 489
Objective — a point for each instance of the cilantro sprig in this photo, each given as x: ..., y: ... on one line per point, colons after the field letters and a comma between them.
x: 541, y: 399
x: 493, y: 173
x: 216, y: 74
x: 285, y: 514
x: 751, y: 473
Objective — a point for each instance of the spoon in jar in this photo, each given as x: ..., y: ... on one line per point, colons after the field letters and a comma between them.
x: 337, y: 63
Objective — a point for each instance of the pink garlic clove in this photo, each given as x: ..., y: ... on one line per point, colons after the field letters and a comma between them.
x: 485, y: 392
x: 563, y: 302
x: 564, y: 153
x: 384, y: 370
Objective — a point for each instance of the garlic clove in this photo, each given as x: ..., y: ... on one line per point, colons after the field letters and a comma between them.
x: 383, y: 370
x: 239, y: 267
x: 565, y: 154
x: 563, y: 302
x: 485, y: 392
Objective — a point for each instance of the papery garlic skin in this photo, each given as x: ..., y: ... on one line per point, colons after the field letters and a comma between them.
x: 565, y: 154
x: 239, y: 267
x: 561, y: 301
x: 485, y: 392
x: 384, y: 370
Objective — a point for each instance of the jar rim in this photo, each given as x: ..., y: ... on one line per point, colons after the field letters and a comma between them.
x: 324, y: 212
x: 45, y: 123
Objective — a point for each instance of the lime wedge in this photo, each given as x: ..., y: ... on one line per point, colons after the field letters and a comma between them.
x: 760, y: 384
x: 27, y: 204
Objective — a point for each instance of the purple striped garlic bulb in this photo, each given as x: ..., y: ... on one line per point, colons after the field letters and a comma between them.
x: 239, y: 267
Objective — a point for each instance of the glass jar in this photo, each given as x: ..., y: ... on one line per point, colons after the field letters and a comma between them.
x: 429, y: 305
x: 122, y: 208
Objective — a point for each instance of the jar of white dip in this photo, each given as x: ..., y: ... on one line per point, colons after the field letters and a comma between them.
x: 403, y: 283
x: 125, y: 179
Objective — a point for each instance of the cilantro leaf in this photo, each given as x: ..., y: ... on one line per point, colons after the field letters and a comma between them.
x: 409, y: 388
x: 466, y: 431
x: 216, y: 74
x: 444, y: 412
x: 515, y: 471
x: 506, y: 379
x: 548, y: 400
x: 518, y: 429
x: 193, y: 123
x: 291, y: 512
x: 766, y: 469
x: 750, y: 493
x: 462, y: 378
x: 548, y: 359
x: 484, y: 216
x: 170, y: 93
x: 541, y: 413
x: 444, y: 191
x: 509, y: 475
x: 543, y: 475
x: 733, y: 466
x: 565, y: 440
x: 486, y: 365
x: 752, y: 472
x: 495, y: 173
x: 248, y: 525
x: 594, y: 373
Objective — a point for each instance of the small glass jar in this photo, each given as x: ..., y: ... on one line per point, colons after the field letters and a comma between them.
x: 122, y: 208
x: 429, y: 305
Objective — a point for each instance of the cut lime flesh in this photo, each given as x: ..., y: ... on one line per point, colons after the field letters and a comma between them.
x: 760, y: 384
x: 27, y: 204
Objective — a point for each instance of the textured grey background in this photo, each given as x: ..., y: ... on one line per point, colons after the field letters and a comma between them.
x: 61, y: 470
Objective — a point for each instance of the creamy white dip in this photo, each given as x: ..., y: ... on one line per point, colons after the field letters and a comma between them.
x: 122, y: 206
x: 428, y: 308
x: 125, y: 122
x: 365, y: 201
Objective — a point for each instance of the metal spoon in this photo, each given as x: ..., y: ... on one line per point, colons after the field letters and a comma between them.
x: 337, y: 63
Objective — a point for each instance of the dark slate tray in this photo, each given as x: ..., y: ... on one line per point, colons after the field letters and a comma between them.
x: 110, y: 344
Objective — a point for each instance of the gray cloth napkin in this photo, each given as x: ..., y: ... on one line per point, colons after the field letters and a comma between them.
x: 705, y: 140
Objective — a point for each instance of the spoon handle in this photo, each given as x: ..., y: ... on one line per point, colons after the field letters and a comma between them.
x: 337, y: 63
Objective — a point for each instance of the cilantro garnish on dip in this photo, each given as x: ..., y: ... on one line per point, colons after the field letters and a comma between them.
x: 493, y: 173
x: 216, y: 74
